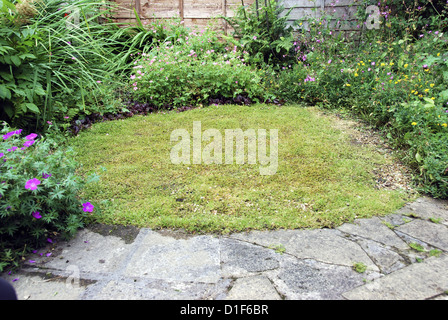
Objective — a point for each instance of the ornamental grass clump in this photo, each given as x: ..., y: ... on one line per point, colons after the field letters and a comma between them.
x: 39, y: 194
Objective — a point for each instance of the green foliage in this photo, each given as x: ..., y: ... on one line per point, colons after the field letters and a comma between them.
x: 56, y: 60
x: 408, y: 17
x: 264, y: 33
x: 396, y: 82
x: 32, y: 214
x: 192, y: 70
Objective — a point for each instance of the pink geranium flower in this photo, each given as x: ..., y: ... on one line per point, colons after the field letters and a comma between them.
x: 32, y: 184
x: 31, y: 136
x: 36, y: 214
x: 87, y: 207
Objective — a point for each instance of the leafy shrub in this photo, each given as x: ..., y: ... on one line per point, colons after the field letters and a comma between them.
x: 39, y: 193
x: 53, y: 68
x: 264, y: 33
x: 191, y: 71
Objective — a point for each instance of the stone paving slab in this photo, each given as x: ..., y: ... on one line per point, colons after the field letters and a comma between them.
x: 325, y: 245
x: 416, y: 282
x: 429, y: 232
x: 162, y: 257
x: 269, y: 265
x: 428, y: 208
x: 374, y: 229
x: 253, y: 288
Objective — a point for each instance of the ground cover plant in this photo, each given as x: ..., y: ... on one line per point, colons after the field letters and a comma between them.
x: 322, y: 179
x: 39, y: 194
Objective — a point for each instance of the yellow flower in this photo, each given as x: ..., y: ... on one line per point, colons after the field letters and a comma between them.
x: 438, y: 54
x: 356, y: 74
x: 348, y: 84
x: 444, y: 125
x: 426, y: 90
x: 414, y: 123
x: 391, y: 63
x: 406, y: 65
x: 431, y: 85
x: 432, y: 98
x: 383, y: 64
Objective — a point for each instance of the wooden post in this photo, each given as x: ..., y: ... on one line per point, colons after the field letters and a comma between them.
x: 138, y: 8
x: 224, y: 13
x: 181, y: 9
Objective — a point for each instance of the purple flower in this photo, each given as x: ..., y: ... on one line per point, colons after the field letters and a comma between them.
x: 36, y: 214
x: 28, y: 143
x: 32, y: 184
x: 32, y: 261
x: 8, y: 135
x: 49, y: 240
x: 87, y: 207
x: 1, y: 154
x: 31, y: 136
x: 425, y: 66
x: 12, y: 149
x: 46, y: 175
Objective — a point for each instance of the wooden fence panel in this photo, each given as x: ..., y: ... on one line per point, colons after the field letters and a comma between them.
x: 200, y: 12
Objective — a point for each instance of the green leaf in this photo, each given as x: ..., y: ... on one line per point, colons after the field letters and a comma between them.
x: 430, y: 60
x: 418, y: 157
x: 4, y: 92
x: 23, y: 56
x: 16, y: 60
x: 444, y: 94
x: 445, y: 76
x: 32, y: 107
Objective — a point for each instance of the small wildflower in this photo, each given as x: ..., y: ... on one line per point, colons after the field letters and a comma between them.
x: 414, y: 123
x: 31, y: 136
x: 36, y: 214
x: 32, y: 184
x: 46, y: 175
x: 87, y: 207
